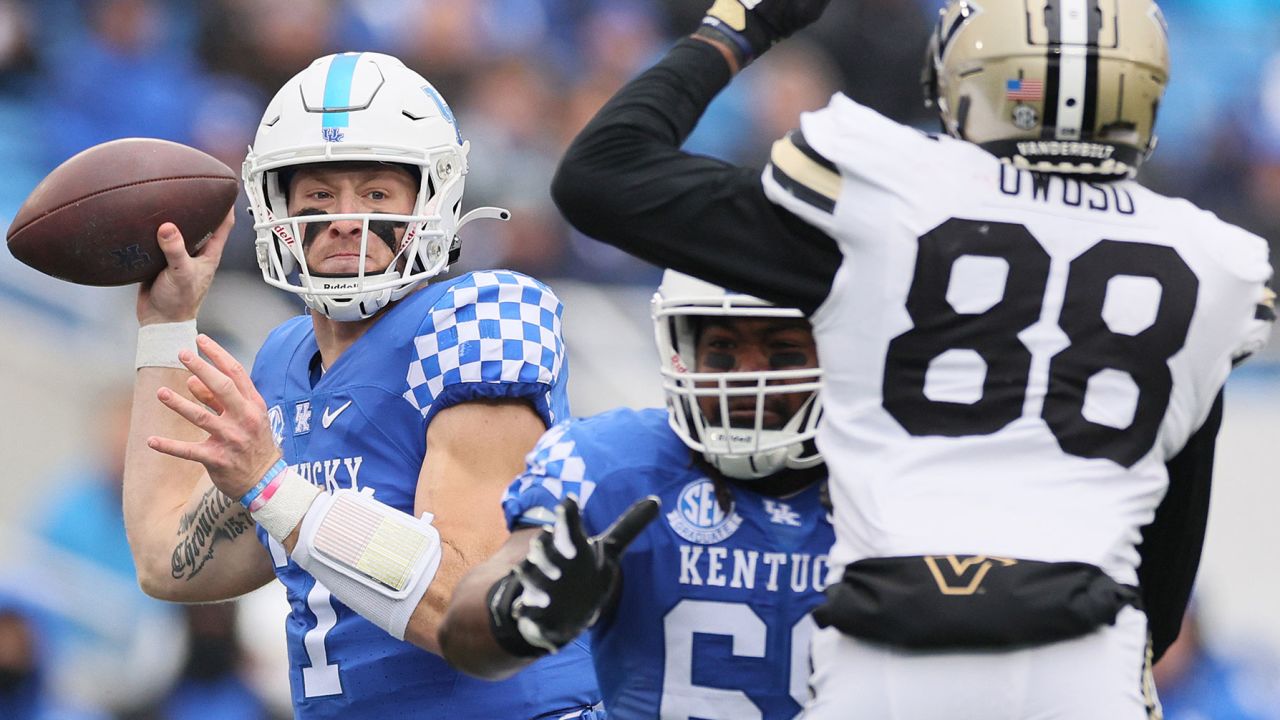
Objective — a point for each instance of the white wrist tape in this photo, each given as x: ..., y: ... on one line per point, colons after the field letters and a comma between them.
x: 374, y: 558
x: 158, y: 344
x: 286, y: 506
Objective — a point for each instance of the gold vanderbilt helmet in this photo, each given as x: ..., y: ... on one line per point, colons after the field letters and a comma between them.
x: 1066, y: 86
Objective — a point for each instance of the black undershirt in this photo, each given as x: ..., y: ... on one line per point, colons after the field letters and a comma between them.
x: 625, y: 182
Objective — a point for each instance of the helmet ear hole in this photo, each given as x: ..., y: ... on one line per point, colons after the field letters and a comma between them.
x: 962, y: 115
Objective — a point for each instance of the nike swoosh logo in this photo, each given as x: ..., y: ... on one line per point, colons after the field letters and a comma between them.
x: 327, y: 418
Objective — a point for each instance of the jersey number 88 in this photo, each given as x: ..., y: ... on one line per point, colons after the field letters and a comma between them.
x: 993, y: 336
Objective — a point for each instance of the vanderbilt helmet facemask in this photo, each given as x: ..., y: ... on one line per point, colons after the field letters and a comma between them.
x: 744, y: 453
x: 359, y: 107
x: 1064, y: 86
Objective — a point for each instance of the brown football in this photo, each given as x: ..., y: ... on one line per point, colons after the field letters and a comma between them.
x: 93, y: 220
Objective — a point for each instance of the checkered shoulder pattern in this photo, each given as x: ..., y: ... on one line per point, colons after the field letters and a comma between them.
x: 554, y: 470
x: 489, y: 327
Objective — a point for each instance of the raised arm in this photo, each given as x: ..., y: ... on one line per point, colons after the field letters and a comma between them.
x: 625, y: 181
x: 190, y: 543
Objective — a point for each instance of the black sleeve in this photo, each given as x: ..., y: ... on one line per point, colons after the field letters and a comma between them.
x: 625, y: 181
x: 1171, y: 544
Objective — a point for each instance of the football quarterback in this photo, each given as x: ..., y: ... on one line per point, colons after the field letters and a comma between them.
x: 312, y: 469
x: 1023, y: 348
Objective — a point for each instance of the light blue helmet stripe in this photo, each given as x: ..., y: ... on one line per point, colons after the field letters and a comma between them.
x: 337, y: 89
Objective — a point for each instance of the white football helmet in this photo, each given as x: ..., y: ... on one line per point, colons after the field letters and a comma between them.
x: 359, y: 107
x: 737, y: 452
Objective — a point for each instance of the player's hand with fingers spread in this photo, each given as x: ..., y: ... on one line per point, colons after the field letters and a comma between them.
x: 176, y: 293
x: 747, y: 28
x: 239, y: 449
x: 565, y: 582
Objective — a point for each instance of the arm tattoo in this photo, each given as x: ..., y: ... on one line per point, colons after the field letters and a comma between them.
x: 216, y: 518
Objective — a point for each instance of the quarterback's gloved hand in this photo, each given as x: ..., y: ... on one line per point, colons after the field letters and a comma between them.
x: 749, y: 27
x: 564, y: 583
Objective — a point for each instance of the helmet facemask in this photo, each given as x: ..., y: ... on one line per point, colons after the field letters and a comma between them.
x: 723, y: 414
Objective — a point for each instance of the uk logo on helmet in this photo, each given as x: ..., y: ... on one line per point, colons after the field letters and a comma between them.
x: 333, y: 134
x: 444, y: 109
x: 698, y: 516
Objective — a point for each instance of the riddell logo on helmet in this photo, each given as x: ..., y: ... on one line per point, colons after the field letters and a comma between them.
x: 278, y: 230
x: 733, y: 438
x: 678, y: 364
x: 339, y: 286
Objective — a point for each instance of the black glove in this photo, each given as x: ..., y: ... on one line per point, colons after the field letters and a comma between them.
x: 749, y: 27
x: 564, y: 583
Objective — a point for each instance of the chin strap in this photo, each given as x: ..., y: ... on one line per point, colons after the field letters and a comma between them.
x: 763, y: 463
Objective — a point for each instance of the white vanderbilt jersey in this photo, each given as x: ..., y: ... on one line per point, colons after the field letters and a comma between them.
x: 1009, y: 358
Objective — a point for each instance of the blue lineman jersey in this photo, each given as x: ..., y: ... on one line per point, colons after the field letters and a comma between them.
x: 713, y: 619
x: 363, y: 424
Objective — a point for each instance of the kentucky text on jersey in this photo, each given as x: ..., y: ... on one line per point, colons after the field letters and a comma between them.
x: 713, y: 620
x: 740, y: 569
x: 325, y: 473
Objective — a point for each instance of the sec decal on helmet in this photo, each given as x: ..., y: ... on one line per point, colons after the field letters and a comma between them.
x: 1067, y: 86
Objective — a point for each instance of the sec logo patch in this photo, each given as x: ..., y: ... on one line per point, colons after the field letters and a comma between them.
x: 697, y: 516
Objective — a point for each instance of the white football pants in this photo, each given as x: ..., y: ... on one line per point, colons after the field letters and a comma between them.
x: 1100, y: 676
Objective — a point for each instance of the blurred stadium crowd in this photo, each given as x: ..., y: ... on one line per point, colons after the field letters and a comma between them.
x: 523, y: 76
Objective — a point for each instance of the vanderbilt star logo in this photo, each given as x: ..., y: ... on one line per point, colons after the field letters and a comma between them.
x: 327, y: 418
x: 962, y: 574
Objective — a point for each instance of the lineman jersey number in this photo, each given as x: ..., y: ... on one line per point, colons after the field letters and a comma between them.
x: 681, y: 698
x: 993, y: 335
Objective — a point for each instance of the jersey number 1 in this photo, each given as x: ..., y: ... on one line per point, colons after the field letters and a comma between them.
x: 993, y: 335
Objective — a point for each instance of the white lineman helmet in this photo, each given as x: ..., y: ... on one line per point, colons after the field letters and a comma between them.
x: 365, y: 107
x: 738, y: 452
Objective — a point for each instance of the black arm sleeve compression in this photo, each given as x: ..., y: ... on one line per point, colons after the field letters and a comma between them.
x: 624, y: 181
x: 1171, y: 544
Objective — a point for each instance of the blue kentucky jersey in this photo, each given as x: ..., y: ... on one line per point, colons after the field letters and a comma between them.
x: 713, y: 619
x: 363, y: 424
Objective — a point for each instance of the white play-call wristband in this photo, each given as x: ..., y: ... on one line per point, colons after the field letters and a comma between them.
x: 374, y: 558
x: 159, y: 344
